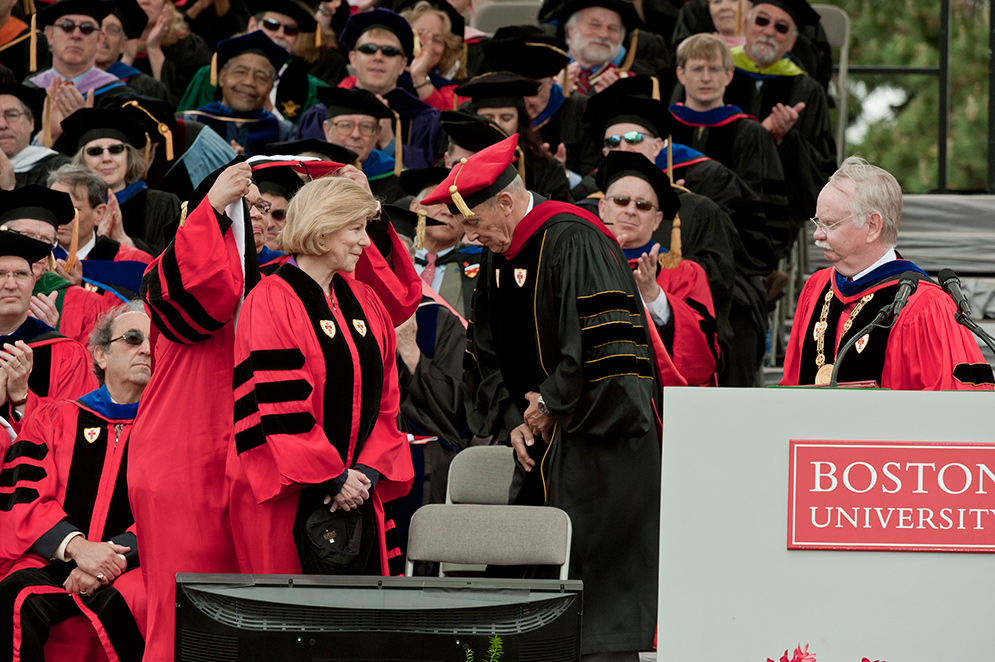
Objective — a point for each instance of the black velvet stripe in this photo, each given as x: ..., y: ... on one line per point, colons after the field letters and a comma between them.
x: 21, y: 473
x: 186, y: 301
x: 84, y: 472
x: 602, y: 302
x: 118, y: 622
x: 370, y: 362
x: 974, y: 373
x: 296, y: 423
x: 41, y: 371
x: 267, y: 359
x: 152, y: 295
x: 249, y: 438
x: 618, y: 364
x: 119, y: 516
x: 245, y: 406
x: 290, y: 390
x: 609, y: 332
x: 160, y: 325
x: 707, y: 324
x: 28, y: 449
x: 19, y: 495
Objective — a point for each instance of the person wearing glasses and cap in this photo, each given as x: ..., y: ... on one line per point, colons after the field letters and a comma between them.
x: 380, y: 45
x: 70, y: 547
x: 21, y: 163
x: 789, y: 103
x: 40, y: 364
x: 638, y: 197
x: 559, y: 364
x: 127, y: 22
x: 246, y: 69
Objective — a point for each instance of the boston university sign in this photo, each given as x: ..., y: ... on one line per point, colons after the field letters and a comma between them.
x: 894, y: 496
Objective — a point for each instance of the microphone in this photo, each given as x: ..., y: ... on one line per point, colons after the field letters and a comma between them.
x: 951, y: 283
x: 907, y: 284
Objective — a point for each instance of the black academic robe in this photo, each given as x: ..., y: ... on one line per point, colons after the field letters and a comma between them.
x: 146, y: 214
x: 808, y: 151
x: 559, y: 314
x: 41, y: 170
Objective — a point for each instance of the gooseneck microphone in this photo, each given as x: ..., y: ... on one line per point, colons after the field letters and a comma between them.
x: 951, y: 283
x: 907, y: 284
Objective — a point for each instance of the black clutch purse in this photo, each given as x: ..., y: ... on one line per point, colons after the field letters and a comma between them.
x: 330, y: 543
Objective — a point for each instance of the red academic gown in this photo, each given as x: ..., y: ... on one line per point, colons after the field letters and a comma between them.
x: 176, y: 473
x: 925, y: 350
x: 316, y: 389
x: 67, y: 470
x: 81, y: 309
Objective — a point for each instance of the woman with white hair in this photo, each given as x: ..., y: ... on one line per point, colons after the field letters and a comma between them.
x: 317, y: 452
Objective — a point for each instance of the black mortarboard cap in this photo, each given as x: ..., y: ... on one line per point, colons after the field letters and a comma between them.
x: 329, y: 151
x: 277, y: 180
x: 15, y: 243
x: 470, y: 131
x: 378, y: 18
x: 618, y: 164
x: 405, y: 221
x: 295, y: 9
x: 88, y: 124
x: 354, y: 101
x: 95, y: 8
x: 416, y: 180
x: 156, y: 117
x: 254, y: 42
x: 800, y: 11
x: 133, y: 18
x: 32, y: 97
x: 526, y: 50
x: 37, y: 202
x: 498, y: 90
x: 625, y: 9
x: 648, y: 113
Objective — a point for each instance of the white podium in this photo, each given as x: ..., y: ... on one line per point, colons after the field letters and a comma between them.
x: 731, y: 590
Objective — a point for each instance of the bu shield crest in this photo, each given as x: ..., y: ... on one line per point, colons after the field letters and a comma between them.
x: 520, y: 275
x: 328, y: 326
x: 360, y: 327
x: 91, y: 434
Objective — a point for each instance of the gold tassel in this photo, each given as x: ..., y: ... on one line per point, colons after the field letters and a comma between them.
x: 521, y: 162
x: 420, y: 229
x: 673, y: 258
x: 455, y: 195
x: 416, y: 46
x: 46, y: 130
x: 566, y: 83
x: 162, y: 127
x: 73, y: 243
x: 33, y: 44
x: 317, y: 37
x: 630, y: 58
x: 462, y: 58
x: 670, y: 159
x: 656, y: 88
x: 739, y: 17
x: 214, y: 70
x: 51, y: 262
x: 183, y: 212
x: 398, y: 161
x: 148, y: 155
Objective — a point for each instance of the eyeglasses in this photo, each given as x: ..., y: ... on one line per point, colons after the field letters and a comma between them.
x: 113, y: 30
x: 762, y: 21
x: 289, y: 29
x: 818, y: 224
x: 624, y: 200
x: 632, y: 137
x: 278, y: 214
x: 388, y: 51
x: 20, y: 277
x: 37, y: 237
x: 116, y: 148
x: 13, y: 115
x: 262, y: 205
x: 345, y: 127
x: 132, y: 337
x: 86, y: 27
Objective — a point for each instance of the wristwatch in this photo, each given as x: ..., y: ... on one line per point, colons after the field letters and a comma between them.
x: 541, y: 404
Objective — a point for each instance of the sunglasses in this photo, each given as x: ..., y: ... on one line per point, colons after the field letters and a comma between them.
x: 98, y: 151
x: 632, y: 137
x: 86, y: 27
x: 624, y: 200
x: 764, y: 21
x: 371, y: 49
x: 273, y: 25
x: 133, y: 338
x: 278, y: 214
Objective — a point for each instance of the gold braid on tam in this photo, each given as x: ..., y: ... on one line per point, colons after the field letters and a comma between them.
x: 455, y: 195
x: 673, y: 258
x: 73, y: 243
x: 420, y: 229
x: 398, y: 162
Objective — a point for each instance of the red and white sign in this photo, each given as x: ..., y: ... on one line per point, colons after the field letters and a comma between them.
x: 895, y: 496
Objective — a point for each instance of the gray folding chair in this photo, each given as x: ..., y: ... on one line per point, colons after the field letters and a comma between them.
x: 501, y: 13
x: 481, y: 474
x: 491, y: 535
x: 836, y: 23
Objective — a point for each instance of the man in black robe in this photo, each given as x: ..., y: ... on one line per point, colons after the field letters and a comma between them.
x: 558, y: 362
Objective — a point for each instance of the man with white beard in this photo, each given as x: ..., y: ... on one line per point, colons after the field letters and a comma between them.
x: 791, y: 105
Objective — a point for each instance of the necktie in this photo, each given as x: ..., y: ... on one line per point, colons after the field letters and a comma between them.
x: 584, y: 80
x: 428, y: 273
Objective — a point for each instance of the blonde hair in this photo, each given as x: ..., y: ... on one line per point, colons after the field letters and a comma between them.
x: 454, y: 43
x: 704, y: 46
x: 322, y: 207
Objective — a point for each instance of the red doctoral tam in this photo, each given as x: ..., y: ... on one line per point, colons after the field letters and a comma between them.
x: 477, y: 179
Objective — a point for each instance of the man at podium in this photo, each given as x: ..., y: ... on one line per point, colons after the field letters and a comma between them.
x: 858, y: 214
